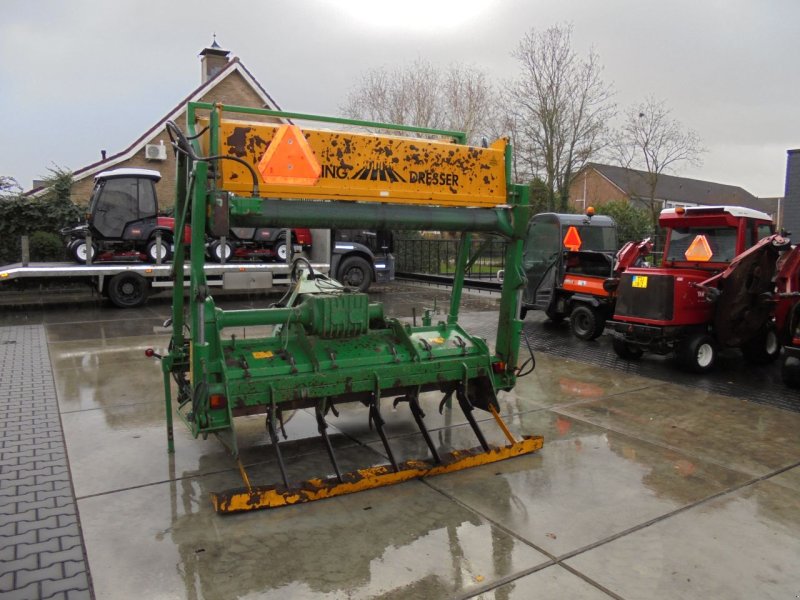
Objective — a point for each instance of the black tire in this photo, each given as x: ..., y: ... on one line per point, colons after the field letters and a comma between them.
x: 79, y: 251
x: 625, y: 349
x: 280, y: 250
x: 152, y: 250
x: 355, y: 272
x: 764, y: 348
x: 523, y: 312
x: 586, y: 323
x: 790, y: 371
x: 128, y: 290
x: 216, y: 249
x: 697, y: 353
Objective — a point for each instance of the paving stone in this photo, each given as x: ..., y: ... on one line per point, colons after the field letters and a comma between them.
x: 6, y: 582
x: 73, y: 567
x: 7, y: 554
x: 51, y: 545
x: 28, y: 592
x: 24, y: 577
x: 57, y: 532
x: 77, y: 582
x: 29, y: 537
x: 79, y: 594
x: 73, y: 554
x: 48, y: 523
x: 30, y: 562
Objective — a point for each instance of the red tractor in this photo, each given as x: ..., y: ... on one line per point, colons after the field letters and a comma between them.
x: 713, y: 289
x: 123, y: 220
x: 787, y: 315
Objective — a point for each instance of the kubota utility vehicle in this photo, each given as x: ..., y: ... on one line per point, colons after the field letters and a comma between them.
x: 712, y: 290
x: 568, y: 259
x: 123, y: 220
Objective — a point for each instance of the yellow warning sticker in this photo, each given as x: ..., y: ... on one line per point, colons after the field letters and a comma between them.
x: 437, y: 340
x: 639, y: 281
x: 267, y: 354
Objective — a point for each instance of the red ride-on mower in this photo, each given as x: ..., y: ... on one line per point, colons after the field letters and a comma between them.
x: 259, y: 243
x: 123, y: 220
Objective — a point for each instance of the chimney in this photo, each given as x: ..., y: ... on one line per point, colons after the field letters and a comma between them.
x: 791, y: 196
x: 213, y: 59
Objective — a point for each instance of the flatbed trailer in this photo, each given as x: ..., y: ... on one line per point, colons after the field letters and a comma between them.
x: 128, y: 284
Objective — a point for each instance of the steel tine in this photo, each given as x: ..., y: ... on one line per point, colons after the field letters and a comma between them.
x: 416, y: 410
x: 322, y: 427
x: 377, y: 419
x: 467, y: 407
x: 273, y: 436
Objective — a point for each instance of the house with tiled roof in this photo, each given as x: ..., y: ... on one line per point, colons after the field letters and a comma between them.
x: 223, y: 79
x: 596, y: 184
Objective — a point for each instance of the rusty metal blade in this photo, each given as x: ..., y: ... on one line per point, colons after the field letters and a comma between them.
x: 274, y: 496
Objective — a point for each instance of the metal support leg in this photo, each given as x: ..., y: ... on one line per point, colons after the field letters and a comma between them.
x: 467, y: 407
x: 168, y: 402
x: 376, y: 418
x: 322, y: 427
x: 416, y: 411
x: 273, y: 436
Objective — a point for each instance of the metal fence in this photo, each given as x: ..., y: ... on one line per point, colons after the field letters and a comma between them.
x: 438, y: 256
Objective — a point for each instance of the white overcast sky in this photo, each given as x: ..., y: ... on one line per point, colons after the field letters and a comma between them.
x: 80, y: 75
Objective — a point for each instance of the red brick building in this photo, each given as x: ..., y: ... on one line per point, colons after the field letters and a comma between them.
x: 597, y: 184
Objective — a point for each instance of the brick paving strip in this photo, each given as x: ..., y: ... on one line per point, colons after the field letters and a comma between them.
x: 41, y: 550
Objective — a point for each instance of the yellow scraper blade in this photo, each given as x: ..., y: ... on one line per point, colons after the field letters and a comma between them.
x: 273, y: 496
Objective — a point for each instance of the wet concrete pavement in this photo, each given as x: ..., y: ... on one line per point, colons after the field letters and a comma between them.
x: 644, y: 488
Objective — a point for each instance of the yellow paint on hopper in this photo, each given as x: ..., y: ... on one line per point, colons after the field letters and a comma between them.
x: 368, y: 167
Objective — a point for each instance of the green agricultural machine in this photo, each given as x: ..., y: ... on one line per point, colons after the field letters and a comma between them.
x: 244, y: 167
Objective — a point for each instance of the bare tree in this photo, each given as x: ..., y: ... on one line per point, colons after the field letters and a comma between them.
x: 459, y: 98
x: 557, y: 110
x: 652, y: 141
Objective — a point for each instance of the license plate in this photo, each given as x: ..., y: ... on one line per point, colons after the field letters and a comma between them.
x: 639, y: 281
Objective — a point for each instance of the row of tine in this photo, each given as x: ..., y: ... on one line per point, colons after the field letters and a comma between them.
x: 274, y: 419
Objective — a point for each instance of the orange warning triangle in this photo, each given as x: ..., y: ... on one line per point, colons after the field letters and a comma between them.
x: 289, y: 160
x: 572, y: 240
x: 699, y: 250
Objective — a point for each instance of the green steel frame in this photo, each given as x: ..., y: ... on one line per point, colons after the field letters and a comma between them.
x: 205, y: 365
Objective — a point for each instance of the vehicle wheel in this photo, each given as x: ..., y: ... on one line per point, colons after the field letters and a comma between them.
x: 555, y: 317
x: 128, y: 290
x: 80, y: 251
x: 764, y: 348
x: 280, y: 250
x: 523, y: 312
x: 152, y: 250
x: 217, y: 251
x: 356, y: 273
x: 790, y: 371
x: 697, y: 353
x: 625, y: 349
x: 586, y: 323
